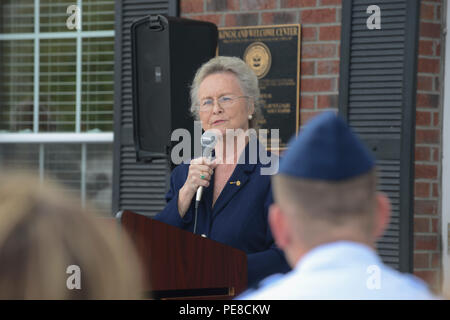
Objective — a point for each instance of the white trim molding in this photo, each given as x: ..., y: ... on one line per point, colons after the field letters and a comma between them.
x: 57, y: 137
x: 57, y: 35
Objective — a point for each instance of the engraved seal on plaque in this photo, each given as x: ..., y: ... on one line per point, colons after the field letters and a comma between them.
x: 258, y: 57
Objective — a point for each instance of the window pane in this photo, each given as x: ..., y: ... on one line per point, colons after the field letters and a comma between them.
x: 99, y: 169
x: 57, y: 96
x: 98, y: 86
x: 16, y: 85
x: 62, y: 163
x: 17, y: 16
x: 19, y: 156
x: 98, y: 15
x: 53, y: 15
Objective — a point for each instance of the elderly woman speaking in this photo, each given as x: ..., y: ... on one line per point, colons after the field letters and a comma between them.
x: 236, y: 196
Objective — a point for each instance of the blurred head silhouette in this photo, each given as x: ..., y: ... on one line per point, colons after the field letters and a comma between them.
x: 51, y: 248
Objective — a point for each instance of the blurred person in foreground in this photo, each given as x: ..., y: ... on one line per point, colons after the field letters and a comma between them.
x: 327, y: 216
x: 237, y: 195
x: 44, y: 233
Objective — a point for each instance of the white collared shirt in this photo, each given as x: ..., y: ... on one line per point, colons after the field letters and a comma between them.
x: 341, y: 270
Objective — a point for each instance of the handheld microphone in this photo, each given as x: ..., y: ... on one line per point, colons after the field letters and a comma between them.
x: 208, y: 142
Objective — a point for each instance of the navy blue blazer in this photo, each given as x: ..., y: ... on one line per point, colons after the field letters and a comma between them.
x: 239, y: 217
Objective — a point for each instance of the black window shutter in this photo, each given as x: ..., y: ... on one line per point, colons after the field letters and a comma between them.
x: 377, y: 96
x: 139, y: 187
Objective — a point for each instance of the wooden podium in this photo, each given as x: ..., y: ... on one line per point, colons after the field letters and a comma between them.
x: 180, y: 264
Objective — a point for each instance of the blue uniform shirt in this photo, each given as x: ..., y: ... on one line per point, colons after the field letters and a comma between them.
x: 239, y: 217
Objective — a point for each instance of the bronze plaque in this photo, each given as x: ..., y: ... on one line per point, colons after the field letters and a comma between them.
x: 273, y: 53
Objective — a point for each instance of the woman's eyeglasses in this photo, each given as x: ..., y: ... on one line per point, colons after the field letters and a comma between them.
x: 223, y: 101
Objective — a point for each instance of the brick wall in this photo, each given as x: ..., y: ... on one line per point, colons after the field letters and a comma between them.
x: 427, y: 227
x: 320, y: 48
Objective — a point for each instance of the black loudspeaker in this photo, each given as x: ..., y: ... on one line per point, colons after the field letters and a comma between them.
x: 166, y: 53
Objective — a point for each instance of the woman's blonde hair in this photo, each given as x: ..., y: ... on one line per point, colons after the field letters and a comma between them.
x: 44, y: 231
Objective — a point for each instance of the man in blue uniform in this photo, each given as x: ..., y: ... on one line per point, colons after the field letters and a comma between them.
x: 326, y: 218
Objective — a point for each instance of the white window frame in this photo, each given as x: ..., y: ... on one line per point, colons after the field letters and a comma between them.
x: 37, y: 36
x: 43, y: 138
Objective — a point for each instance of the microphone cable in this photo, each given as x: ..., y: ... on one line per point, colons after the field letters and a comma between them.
x: 195, y: 215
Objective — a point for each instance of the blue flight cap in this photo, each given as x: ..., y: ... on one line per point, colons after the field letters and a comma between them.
x: 326, y: 149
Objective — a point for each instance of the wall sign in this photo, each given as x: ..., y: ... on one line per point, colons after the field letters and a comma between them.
x: 273, y: 53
